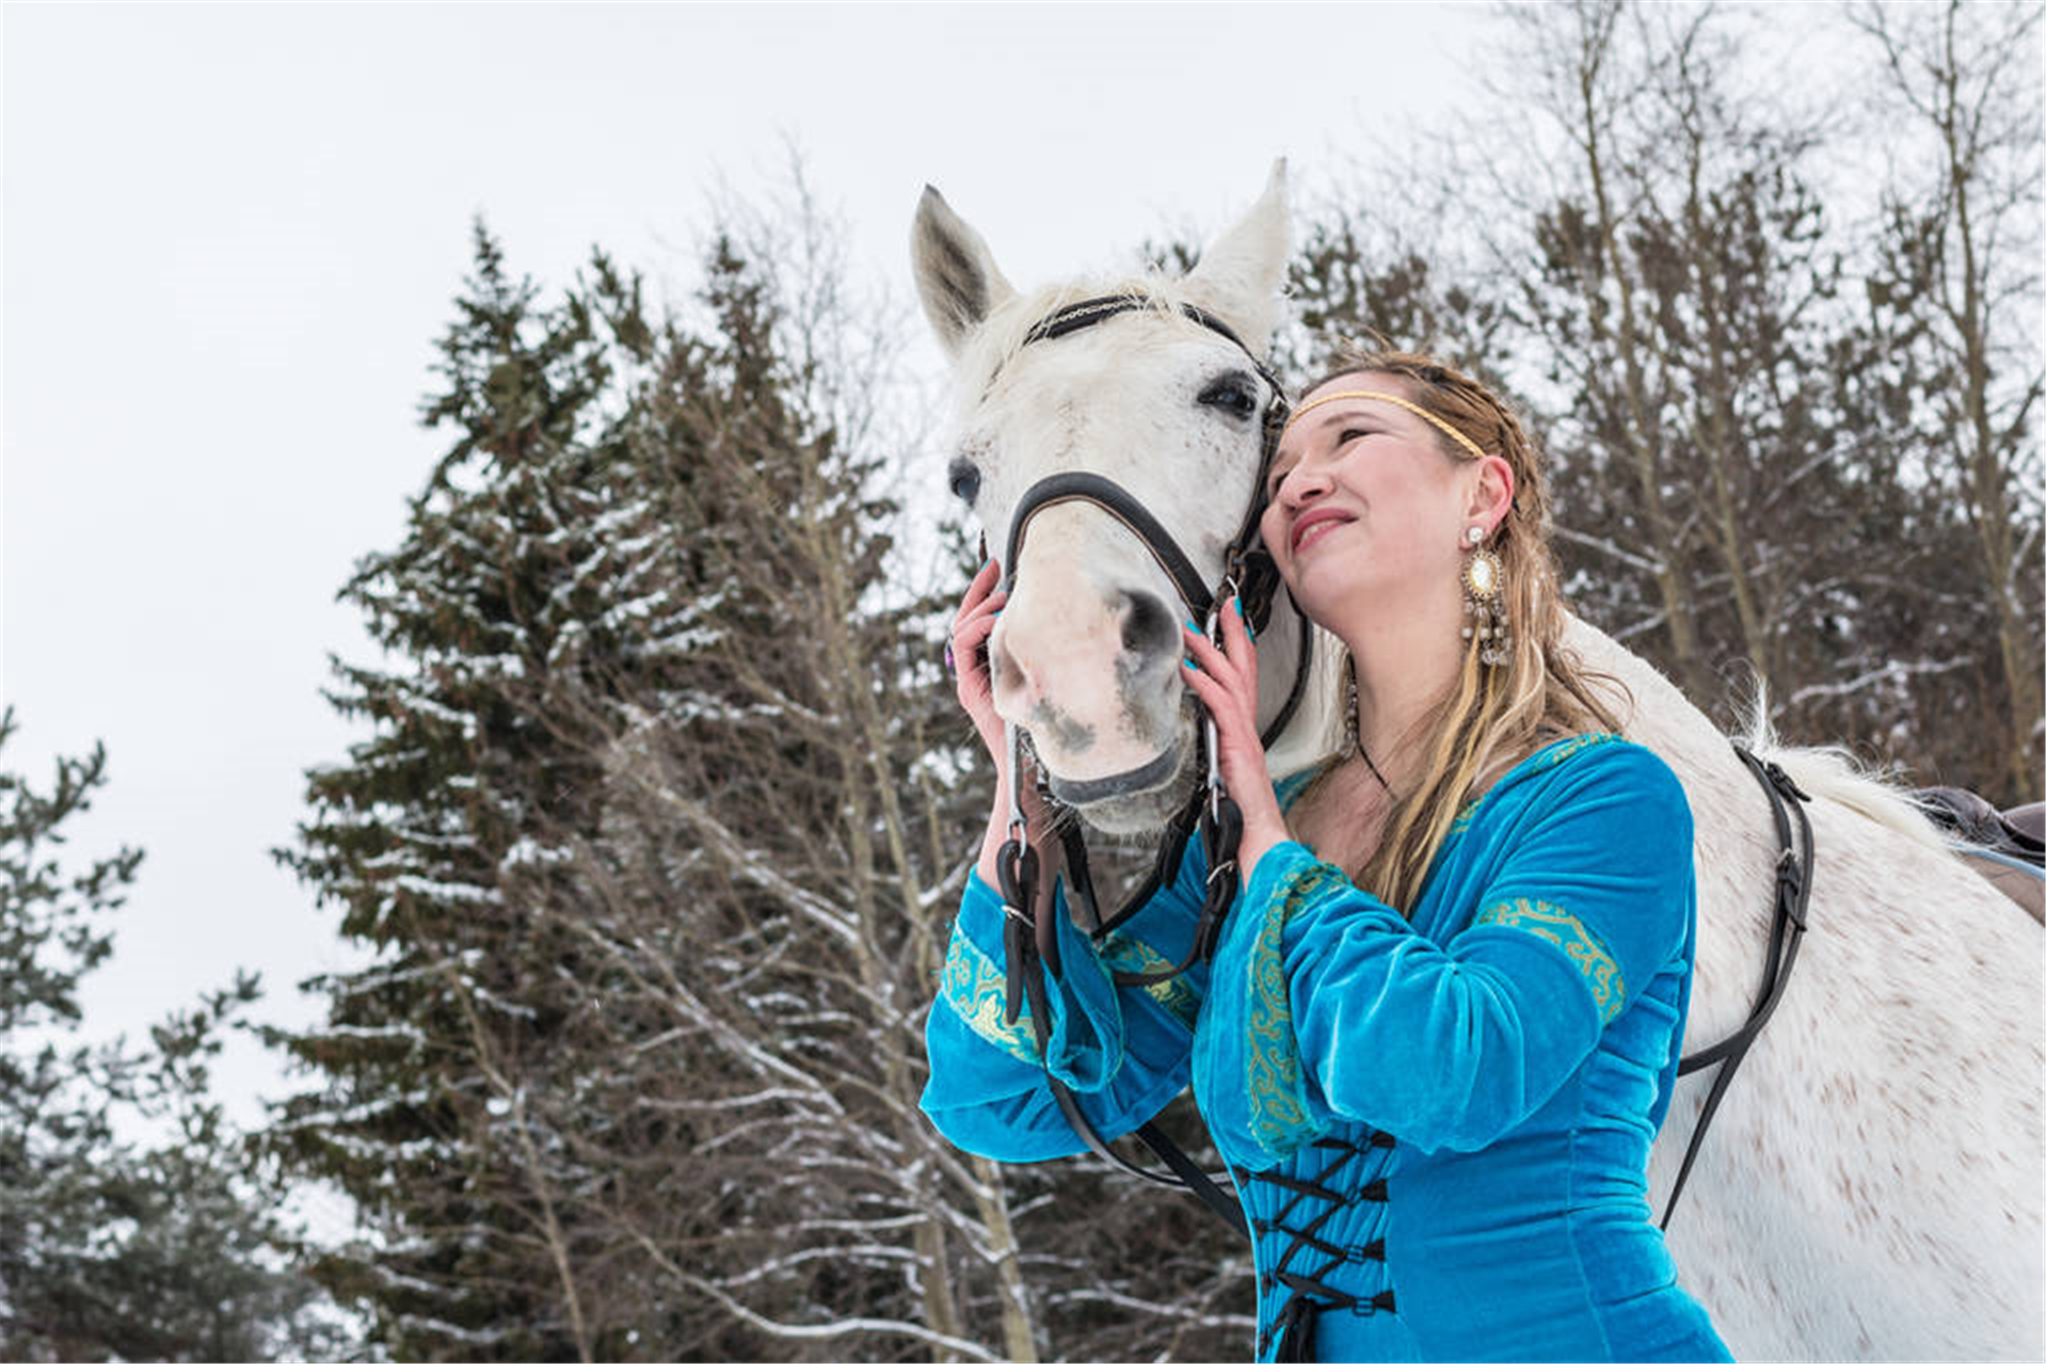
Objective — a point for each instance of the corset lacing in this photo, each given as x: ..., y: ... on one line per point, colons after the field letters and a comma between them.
x: 1293, y: 1327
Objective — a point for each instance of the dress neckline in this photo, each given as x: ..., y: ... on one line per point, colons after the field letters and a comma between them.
x: 1548, y: 755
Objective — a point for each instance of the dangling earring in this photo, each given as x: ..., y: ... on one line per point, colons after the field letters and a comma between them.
x: 1484, y: 581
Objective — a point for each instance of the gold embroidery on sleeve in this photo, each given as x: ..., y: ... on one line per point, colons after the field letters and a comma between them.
x: 1177, y: 997
x: 976, y: 989
x: 1565, y: 749
x: 1271, y: 1057
x: 1579, y: 943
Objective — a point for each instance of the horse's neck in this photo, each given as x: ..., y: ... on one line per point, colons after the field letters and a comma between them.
x: 1650, y: 709
x: 1316, y: 729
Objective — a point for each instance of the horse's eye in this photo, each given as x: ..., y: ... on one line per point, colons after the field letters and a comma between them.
x: 964, y: 480
x: 1232, y: 393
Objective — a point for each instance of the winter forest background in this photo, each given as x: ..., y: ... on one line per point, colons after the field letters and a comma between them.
x: 660, y: 801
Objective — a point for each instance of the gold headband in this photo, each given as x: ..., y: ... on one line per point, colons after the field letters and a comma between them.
x: 1444, y: 427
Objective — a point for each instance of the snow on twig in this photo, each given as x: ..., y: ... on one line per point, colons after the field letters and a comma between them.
x: 1892, y: 671
x: 1605, y: 547
x: 822, y: 1330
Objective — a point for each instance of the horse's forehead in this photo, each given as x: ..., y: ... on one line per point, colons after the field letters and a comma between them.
x: 1119, y: 402
x: 1129, y: 374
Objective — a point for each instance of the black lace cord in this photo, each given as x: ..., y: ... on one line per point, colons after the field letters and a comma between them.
x: 1293, y: 1328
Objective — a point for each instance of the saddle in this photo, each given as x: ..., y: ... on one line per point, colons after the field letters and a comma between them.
x: 2008, y: 847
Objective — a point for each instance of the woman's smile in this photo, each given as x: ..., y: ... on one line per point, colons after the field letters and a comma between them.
x: 1316, y: 526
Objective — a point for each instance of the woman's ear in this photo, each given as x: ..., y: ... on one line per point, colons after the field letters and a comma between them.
x: 1491, y: 493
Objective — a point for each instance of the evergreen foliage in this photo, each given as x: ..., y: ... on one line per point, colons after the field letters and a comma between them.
x: 601, y: 838
x: 526, y: 563
x: 110, y: 1248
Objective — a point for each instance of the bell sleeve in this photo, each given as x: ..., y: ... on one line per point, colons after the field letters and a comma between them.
x: 1122, y: 1049
x: 1335, y: 1007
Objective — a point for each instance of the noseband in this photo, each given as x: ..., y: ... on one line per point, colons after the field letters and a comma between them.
x: 1030, y: 938
x: 1247, y: 569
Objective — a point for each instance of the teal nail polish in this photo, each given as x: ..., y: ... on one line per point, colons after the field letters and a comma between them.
x: 1238, y: 603
x: 1191, y: 665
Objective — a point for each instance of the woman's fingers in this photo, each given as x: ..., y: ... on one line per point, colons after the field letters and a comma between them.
x: 1223, y: 697
x: 978, y: 590
x: 983, y: 613
x: 1225, y: 679
x: 1237, y: 750
x: 1236, y: 659
x: 971, y: 626
x: 975, y: 618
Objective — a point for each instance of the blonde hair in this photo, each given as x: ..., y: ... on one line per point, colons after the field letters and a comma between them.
x: 1495, y: 714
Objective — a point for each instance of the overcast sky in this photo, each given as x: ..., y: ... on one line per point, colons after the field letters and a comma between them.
x: 232, y: 233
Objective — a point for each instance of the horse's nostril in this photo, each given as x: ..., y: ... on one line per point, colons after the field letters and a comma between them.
x: 1148, y: 628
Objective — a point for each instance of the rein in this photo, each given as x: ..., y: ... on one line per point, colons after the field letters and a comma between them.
x: 1030, y: 938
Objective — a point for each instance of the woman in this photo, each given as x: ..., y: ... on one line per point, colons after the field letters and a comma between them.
x: 1442, y: 1024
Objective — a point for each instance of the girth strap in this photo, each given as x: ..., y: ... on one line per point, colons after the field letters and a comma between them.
x: 1786, y: 932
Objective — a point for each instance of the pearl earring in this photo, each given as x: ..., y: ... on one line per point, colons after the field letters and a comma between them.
x: 1483, y: 579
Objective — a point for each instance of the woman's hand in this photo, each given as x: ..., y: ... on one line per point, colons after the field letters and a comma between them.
x: 1225, y: 680
x: 971, y: 626
x: 965, y: 655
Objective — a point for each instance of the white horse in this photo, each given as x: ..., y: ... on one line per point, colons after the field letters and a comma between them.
x: 1871, y: 1185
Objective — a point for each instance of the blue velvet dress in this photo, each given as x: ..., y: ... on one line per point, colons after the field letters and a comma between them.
x: 1438, y: 1125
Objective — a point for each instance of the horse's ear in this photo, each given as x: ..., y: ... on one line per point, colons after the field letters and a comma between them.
x: 1239, y: 276
x: 956, y: 275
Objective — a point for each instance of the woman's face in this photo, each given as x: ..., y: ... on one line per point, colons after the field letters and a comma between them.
x: 1365, y: 507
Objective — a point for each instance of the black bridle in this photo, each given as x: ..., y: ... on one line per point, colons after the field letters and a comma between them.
x: 1030, y: 939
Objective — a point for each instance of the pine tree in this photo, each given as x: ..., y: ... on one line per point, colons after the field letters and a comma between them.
x: 592, y: 839
x: 515, y: 570
x: 110, y: 1248
x: 756, y: 899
